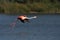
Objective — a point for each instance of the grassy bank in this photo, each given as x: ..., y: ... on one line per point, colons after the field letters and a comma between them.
x: 35, y: 7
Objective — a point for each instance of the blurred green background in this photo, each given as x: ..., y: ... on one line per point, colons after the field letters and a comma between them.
x: 29, y: 6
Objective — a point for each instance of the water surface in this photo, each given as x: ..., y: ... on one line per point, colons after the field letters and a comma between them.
x: 44, y: 27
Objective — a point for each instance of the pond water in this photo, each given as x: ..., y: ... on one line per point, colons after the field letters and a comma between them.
x: 44, y: 27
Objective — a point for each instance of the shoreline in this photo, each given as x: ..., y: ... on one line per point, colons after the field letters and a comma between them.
x: 34, y: 13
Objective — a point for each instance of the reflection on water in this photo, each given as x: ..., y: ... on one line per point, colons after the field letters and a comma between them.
x: 45, y: 27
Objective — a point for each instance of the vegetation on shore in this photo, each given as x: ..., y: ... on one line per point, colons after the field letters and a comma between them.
x: 29, y: 6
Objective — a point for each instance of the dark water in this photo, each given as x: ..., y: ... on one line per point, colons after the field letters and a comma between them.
x: 44, y: 27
